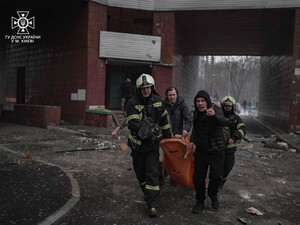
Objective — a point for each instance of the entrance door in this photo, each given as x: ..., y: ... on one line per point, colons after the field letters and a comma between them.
x: 115, y: 76
x: 114, y: 82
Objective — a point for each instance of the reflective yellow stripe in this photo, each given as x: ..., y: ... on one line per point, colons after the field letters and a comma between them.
x: 143, y: 183
x: 153, y: 188
x: 139, y: 107
x: 168, y: 126
x: 242, y: 132
x: 165, y: 113
x: 141, y: 116
x: 134, y: 140
x: 239, y: 125
x: 157, y: 104
x: 231, y: 145
x: 133, y: 116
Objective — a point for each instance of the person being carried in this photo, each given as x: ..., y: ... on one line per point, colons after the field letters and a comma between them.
x: 208, y: 141
x: 179, y: 114
x: 146, y: 119
x: 235, y: 132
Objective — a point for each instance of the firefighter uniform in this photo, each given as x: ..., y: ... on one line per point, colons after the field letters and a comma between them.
x: 144, y: 139
x: 237, y: 131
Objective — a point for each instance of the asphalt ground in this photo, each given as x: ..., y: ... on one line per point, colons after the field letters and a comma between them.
x: 79, y: 175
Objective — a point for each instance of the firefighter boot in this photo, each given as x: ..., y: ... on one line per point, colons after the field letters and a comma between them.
x: 198, y: 208
x: 153, y: 212
x: 215, y: 202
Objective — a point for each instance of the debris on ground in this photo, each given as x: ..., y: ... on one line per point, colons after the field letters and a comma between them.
x: 254, y: 211
x: 275, y: 145
x: 242, y: 220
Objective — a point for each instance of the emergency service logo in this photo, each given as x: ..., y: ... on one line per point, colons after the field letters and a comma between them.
x: 23, y: 24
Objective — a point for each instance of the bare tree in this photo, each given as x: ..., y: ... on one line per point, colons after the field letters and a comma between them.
x: 239, y: 70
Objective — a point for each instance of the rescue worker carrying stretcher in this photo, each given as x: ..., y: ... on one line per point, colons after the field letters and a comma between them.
x: 147, y: 119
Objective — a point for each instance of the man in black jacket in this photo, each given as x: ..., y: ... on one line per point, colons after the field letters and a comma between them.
x: 146, y: 118
x: 179, y: 113
x: 208, y: 140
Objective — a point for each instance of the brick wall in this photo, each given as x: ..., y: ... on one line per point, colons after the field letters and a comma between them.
x: 164, y: 26
x: 279, y: 91
x: 275, y: 90
x: 96, y: 72
x: 181, y: 71
x: 32, y: 115
x: 56, y: 65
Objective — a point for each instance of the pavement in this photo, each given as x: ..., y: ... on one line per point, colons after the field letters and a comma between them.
x: 37, y: 188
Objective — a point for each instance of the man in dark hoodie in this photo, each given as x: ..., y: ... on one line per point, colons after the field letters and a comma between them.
x: 146, y: 117
x: 208, y: 141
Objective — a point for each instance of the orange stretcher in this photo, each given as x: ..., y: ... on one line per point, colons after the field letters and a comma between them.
x: 178, y: 161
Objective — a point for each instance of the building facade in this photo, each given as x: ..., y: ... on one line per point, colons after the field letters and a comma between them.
x: 85, y: 49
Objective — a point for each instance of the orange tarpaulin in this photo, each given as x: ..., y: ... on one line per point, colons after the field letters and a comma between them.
x: 178, y: 161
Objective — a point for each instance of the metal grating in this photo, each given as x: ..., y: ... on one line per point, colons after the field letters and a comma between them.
x: 130, y: 46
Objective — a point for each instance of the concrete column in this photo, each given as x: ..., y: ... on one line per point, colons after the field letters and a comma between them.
x: 295, y: 93
x: 96, y: 71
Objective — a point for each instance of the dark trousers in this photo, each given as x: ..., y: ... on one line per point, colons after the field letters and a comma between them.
x: 229, y: 163
x: 146, y: 168
x: 214, y: 161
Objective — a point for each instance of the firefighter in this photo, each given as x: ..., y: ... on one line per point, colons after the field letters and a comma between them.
x: 237, y: 131
x: 147, y: 119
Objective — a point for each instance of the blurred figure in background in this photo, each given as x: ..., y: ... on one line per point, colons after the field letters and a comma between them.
x: 127, y: 91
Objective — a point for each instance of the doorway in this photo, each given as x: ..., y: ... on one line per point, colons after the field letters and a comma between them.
x: 116, y: 75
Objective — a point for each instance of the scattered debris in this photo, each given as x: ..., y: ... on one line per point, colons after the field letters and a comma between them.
x: 278, y: 139
x: 244, y: 194
x: 254, y: 211
x: 81, y: 149
x: 66, y: 130
x: 247, y: 146
x: 283, y: 145
x: 278, y: 180
x: 275, y: 145
x: 27, y: 156
x: 124, y: 146
x: 241, y: 220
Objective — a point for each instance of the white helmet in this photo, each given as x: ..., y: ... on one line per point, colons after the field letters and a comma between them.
x: 228, y: 100
x: 145, y: 80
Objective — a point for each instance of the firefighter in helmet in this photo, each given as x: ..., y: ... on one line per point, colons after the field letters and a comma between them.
x: 147, y: 119
x: 237, y: 130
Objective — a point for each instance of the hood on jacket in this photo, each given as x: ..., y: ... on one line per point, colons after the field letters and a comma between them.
x: 204, y: 95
